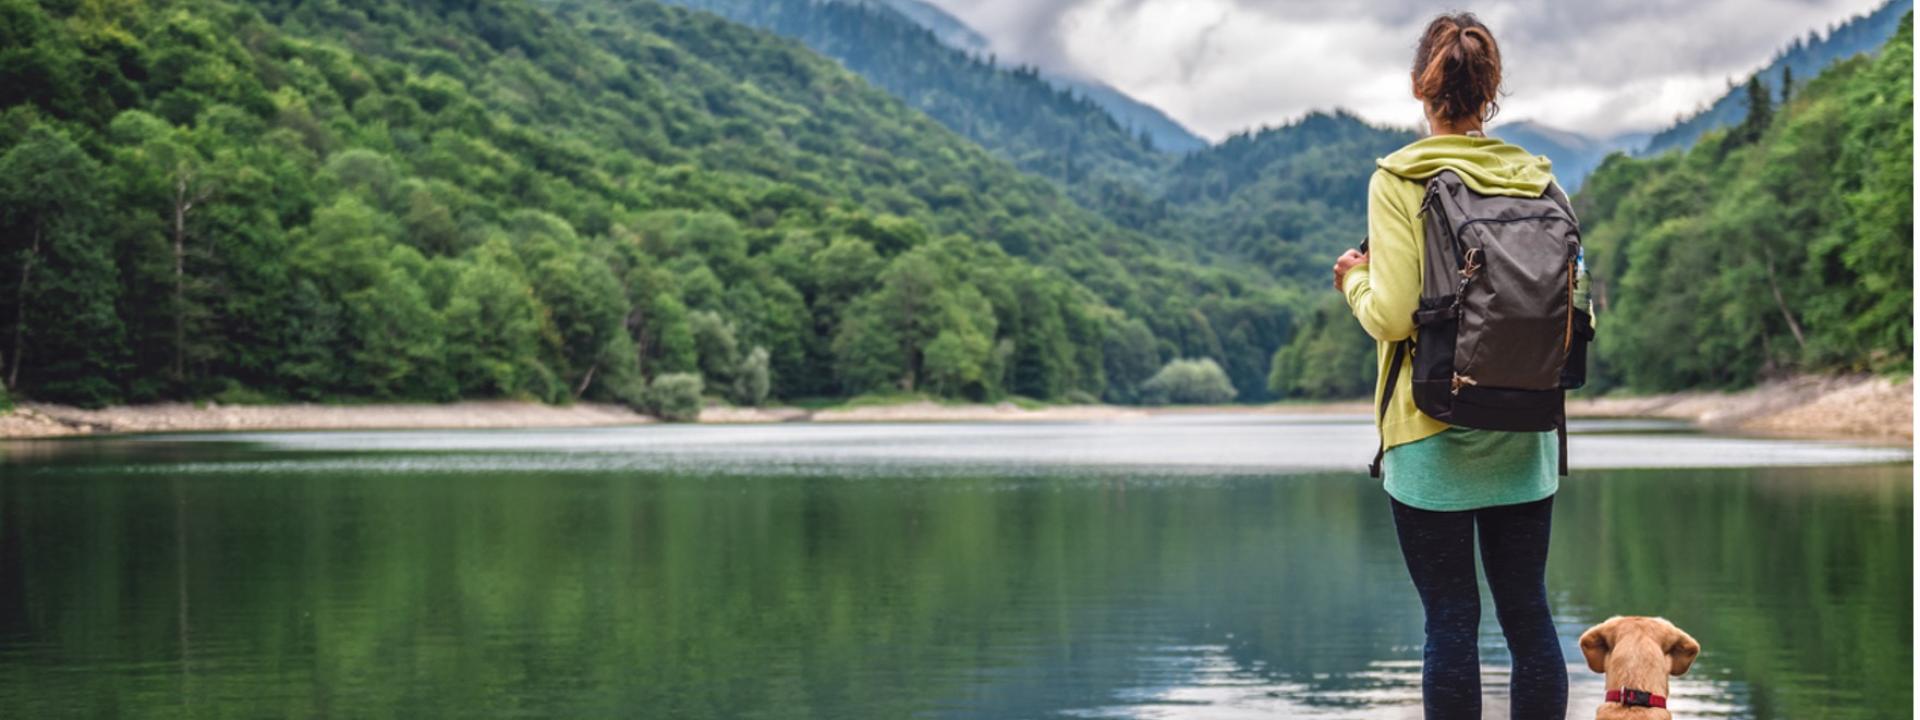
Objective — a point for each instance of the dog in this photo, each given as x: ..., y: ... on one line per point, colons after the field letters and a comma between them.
x: 1637, y: 654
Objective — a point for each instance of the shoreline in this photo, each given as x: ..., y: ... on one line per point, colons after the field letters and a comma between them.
x: 1820, y: 407
x: 1860, y: 408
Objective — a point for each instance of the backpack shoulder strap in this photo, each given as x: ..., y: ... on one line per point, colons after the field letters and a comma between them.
x: 1386, y: 396
x: 1560, y: 429
x: 1559, y: 197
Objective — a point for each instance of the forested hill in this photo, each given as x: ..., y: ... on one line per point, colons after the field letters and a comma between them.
x: 1286, y: 198
x: 1166, y: 133
x: 1281, y: 198
x: 378, y: 199
x: 1011, y: 110
x: 1803, y: 59
x: 1782, y: 244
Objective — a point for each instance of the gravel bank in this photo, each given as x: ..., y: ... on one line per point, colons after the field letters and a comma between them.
x: 38, y: 420
x: 935, y: 412
x: 1850, y: 407
x: 1859, y: 408
x: 45, y: 420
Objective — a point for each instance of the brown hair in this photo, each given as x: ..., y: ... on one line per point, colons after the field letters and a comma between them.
x: 1456, y: 69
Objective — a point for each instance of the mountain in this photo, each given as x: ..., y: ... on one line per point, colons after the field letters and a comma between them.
x: 582, y: 199
x: 1780, y: 245
x: 949, y: 29
x: 1012, y: 111
x: 1166, y: 133
x: 908, y: 68
x: 1803, y: 59
x: 1286, y: 198
x: 1574, y: 155
x: 1276, y: 199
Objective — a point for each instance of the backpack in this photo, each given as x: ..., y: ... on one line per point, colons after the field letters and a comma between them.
x: 1497, y: 337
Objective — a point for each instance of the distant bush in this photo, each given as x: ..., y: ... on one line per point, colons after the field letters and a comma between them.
x: 751, y: 378
x: 1080, y: 397
x: 675, y: 396
x: 1188, y: 382
x: 6, y: 401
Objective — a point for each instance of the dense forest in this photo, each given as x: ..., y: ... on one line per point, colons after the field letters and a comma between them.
x: 632, y: 202
x: 1781, y: 244
x: 1281, y: 198
x: 382, y: 200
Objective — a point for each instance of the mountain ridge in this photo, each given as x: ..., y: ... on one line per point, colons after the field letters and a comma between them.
x: 1167, y: 134
x: 1574, y: 154
x: 1803, y: 57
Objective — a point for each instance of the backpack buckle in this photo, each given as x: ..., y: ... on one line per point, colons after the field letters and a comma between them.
x: 1460, y: 381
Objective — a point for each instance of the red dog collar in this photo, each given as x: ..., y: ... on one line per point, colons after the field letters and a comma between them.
x: 1632, y: 698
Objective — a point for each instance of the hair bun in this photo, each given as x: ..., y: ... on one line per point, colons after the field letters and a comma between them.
x: 1456, y: 68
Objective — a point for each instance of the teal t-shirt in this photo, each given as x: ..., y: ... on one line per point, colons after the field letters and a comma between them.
x: 1465, y: 469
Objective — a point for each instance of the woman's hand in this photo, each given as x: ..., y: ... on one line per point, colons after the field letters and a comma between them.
x: 1348, y: 261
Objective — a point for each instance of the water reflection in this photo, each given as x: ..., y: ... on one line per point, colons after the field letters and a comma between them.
x: 145, y: 583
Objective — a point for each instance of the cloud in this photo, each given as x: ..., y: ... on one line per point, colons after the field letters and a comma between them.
x: 1222, y: 66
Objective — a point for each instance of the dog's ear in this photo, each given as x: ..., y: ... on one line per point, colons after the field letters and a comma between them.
x: 1596, y: 642
x: 1681, y: 649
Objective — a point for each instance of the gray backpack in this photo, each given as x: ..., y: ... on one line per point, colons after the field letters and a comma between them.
x: 1497, y: 338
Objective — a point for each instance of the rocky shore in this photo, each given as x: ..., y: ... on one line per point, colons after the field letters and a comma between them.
x: 46, y: 420
x: 41, y: 420
x: 1849, y: 408
x: 1856, y: 408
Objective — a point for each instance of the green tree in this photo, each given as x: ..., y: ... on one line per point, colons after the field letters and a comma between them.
x: 714, y: 341
x: 496, y: 333
x: 883, y: 343
x: 751, y: 380
x: 1131, y: 355
x: 588, y: 309
x: 313, y: 331
x: 62, y: 292
x: 1331, y: 357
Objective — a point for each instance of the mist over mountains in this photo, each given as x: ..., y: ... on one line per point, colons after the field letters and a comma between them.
x: 1166, y: 133
x: 1575, y: 154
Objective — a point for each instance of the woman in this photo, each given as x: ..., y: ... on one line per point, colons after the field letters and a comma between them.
x: 1444, y: 481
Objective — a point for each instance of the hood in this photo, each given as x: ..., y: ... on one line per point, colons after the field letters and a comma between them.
x: 1490, y: 166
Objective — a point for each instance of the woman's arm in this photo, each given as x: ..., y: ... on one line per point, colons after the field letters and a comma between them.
x: 1384, y: 292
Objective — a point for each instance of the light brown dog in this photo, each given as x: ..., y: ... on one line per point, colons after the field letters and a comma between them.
x: 1637, y: 654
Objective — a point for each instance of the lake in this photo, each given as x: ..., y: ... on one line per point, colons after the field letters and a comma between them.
x: 1230, y: 566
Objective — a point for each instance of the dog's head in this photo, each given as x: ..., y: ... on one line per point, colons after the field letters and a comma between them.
x: 1600, y: 641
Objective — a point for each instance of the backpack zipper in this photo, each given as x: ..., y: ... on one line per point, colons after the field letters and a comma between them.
x: 1463, y: 226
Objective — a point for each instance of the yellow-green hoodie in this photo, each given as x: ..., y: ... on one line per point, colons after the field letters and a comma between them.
x: 1384, y: 292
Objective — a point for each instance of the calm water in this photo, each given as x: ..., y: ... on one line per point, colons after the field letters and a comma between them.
x: 1200, y: 567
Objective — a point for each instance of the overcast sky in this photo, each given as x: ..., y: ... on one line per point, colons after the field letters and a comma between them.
x: 1219, y: 66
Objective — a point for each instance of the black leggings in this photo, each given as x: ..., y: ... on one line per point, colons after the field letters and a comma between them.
x: 1438, y: 547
